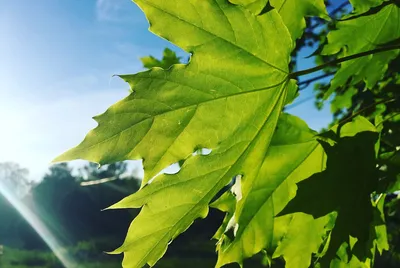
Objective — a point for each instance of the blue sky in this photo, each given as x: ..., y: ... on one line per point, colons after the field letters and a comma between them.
x: 57, y: 61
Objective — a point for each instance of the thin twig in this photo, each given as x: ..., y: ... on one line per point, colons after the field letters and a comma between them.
x: 348, y: 119
x: 299, y: 103
x: 309, y: 81
x: 386, y: 119
x: 339, y: 8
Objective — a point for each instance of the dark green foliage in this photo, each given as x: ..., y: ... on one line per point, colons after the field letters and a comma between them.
x: 345, y: 188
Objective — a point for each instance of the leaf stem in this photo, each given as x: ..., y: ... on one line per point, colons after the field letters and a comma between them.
x: 347, y: 58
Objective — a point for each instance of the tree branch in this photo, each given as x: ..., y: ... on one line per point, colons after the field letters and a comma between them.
x: 347, y: 58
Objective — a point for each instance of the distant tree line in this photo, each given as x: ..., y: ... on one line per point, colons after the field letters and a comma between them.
x: 74, y: 214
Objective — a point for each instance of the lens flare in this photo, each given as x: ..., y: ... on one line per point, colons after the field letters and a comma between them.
x: 38, y: 225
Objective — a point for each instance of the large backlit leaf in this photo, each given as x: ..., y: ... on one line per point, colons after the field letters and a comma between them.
x: 361, y: 34
x: 172, y: 112
x: 229, y: 99
x: 172, y: 202
x: 231, y: 108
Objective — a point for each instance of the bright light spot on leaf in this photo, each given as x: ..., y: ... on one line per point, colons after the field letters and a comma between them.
x: 202, y: 151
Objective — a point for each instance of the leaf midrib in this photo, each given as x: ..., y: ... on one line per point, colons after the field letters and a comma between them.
x: 180, y: 108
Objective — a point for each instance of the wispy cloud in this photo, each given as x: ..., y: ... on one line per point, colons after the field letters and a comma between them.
x: 114, y: 10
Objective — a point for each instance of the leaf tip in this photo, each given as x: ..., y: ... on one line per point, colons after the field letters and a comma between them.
x: 61, y: 158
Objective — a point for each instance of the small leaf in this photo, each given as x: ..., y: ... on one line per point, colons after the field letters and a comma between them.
x: 360, y: 35
x: 169, y: 58
x: 380, y: 226
x: 344, y: 100
x: 361, y: 6
x: 303, y: 236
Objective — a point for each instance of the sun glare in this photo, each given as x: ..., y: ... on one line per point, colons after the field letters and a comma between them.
x: 38, y: 225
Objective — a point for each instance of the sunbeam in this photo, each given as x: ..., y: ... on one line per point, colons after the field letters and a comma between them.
x: 38, y: 225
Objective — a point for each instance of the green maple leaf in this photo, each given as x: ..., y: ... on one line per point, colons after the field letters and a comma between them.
x: 343, y: 100
x: 231, y: 108
x: 291, y: 11
x: 255, y: 6
x: 361, y: 6
x: 164, y: 215
x: 169, y: 58
x: 295, y: 237
x: 361, y: 34
x: 294, y: 154
x: 345, y: 188
x: 299, y: 236
x: 378, y: 240
x: 229, y: 98
x: 172, y: 112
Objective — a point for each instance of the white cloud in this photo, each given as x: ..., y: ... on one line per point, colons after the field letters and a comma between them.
x: 114, y: 10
